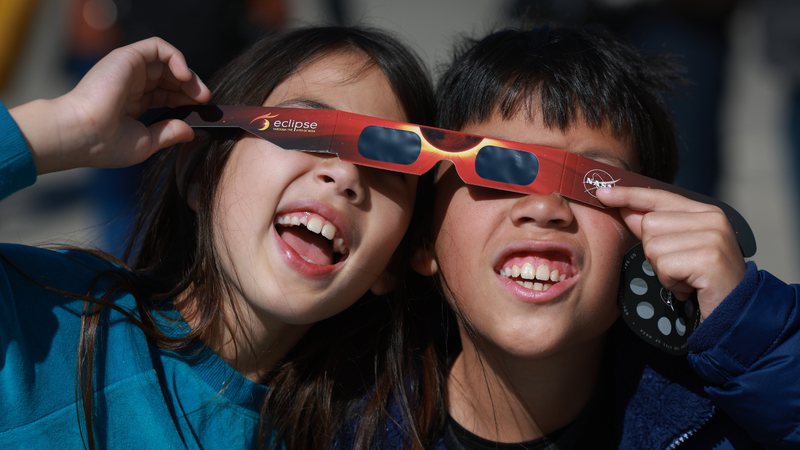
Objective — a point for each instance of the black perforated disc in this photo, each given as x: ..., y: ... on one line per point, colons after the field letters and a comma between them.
x: 651, y: 310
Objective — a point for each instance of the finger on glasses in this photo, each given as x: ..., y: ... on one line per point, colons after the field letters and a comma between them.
x: 646, y: 199
x: 167, y: 65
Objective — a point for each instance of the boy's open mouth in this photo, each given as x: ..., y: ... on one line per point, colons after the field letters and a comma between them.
x: 313, y: 237
x: 537, y: 272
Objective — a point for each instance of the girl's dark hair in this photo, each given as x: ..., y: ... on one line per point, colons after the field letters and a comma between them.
x: 331, y: 373
x: 565, y: 72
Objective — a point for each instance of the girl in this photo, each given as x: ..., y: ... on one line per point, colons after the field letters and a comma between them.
x: 226, y: 322
x: 533, y: 280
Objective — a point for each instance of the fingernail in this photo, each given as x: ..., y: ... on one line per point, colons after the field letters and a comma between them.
x: 603, y: 189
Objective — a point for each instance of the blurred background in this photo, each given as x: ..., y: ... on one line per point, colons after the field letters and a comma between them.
x: 738, y: 115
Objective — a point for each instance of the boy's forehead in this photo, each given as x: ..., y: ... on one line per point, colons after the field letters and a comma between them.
x: 599, y: 143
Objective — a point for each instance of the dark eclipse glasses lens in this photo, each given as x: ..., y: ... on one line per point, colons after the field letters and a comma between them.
x: 504, y: 165
x: 389, y: 145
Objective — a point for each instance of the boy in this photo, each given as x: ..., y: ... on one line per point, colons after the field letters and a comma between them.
x: 541, y: 363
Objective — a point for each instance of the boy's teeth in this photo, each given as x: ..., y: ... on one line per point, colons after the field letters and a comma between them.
x: 543, y: 272
x: 528, y: 272
x: 534, y: 286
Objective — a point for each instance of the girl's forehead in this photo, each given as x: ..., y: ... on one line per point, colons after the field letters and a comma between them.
x: 338, y: 67
x: 345, y: 80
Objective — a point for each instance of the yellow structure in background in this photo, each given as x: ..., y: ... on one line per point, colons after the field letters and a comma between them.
x: 15, y: 15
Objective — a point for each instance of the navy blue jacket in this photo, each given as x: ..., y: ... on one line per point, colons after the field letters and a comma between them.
x: 739, y: 387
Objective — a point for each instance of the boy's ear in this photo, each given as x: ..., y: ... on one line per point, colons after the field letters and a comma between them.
x: 384, y: 284
x: 423, y: 261
x: 191, y: 195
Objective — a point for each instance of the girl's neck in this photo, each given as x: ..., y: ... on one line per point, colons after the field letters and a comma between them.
x: 251, y: 344
x: 256, y: 346
x: 505, y: 398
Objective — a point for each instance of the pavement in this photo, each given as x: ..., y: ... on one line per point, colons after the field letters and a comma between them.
x: 757, y: 181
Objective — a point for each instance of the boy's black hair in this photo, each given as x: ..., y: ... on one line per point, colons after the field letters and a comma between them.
x: 568, y: 72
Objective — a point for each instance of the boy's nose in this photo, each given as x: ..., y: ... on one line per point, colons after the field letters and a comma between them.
x: 341, y: 176
x: 552, y: 211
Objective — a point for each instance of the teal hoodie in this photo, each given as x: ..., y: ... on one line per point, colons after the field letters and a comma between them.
x: 144, y: 396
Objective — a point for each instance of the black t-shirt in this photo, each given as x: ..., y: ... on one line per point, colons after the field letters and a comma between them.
x: 593, y: 428
x: 457, y: 437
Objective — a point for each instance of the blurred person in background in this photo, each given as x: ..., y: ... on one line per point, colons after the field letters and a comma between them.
x: 15, y: 16
x: 782, y: 40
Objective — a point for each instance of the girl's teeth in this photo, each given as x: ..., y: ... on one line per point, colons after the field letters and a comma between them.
x: 338, y: 245
x: 328, y: 230
x: 314, y: 224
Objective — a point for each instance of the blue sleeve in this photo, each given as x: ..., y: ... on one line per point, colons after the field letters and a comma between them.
x: 17, y: 169
x: 748, y: 354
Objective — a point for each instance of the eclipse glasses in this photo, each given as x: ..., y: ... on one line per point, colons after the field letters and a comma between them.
x: 415, y: 149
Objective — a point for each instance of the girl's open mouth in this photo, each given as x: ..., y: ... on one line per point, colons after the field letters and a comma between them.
x: 313, y: 237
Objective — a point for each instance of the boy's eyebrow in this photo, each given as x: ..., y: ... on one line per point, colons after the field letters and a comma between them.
x: 608, y: 158
x: 304, y: 103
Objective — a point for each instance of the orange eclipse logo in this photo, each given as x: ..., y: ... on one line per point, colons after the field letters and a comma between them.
x: 265, y: 125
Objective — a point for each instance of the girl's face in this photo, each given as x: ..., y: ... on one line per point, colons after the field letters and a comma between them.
x: 535, y: 275
x: 302, y: 236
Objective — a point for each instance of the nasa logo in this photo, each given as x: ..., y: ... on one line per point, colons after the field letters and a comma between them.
x: 597, y: 178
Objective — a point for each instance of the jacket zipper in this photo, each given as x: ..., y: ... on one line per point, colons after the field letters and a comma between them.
x: 685, y: 436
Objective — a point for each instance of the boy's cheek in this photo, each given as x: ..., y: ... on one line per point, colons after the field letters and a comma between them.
x: 625, y: 237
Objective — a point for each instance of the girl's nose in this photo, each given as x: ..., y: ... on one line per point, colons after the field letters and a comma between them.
x: 344, y: 178
x: 550, y: 211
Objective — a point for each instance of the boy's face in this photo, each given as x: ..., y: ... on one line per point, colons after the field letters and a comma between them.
x: 487, y: 243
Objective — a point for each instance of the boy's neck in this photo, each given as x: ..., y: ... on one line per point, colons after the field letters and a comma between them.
x: 504, y: 398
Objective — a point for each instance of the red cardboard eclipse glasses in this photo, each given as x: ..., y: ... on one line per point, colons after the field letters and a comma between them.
x: 415, y: 149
